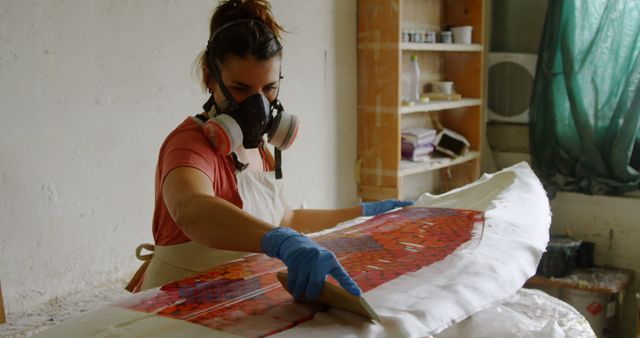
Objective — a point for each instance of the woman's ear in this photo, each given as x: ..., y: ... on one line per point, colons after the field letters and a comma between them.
x: 212, y: 87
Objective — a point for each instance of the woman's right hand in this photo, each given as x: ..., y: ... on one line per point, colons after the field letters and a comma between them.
x: 308, y: 262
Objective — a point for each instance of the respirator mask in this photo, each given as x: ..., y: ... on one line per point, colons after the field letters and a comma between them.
x: 247, y: 122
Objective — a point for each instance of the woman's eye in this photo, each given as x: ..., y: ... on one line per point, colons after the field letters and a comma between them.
x: 241, y: 89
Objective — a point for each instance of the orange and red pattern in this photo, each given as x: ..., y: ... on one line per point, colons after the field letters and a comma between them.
x: 245, y: 298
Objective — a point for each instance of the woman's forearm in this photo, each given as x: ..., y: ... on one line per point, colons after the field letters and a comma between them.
x: 312, y: 220
x: 216, y: 223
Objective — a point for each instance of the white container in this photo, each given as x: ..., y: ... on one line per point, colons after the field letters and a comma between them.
x: 462, y: 34
x: 445, y: 87
x: 599, y: 309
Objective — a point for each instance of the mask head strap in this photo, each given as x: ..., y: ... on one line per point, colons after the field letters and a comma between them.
x: 278, y: 159
x: 209, y: 104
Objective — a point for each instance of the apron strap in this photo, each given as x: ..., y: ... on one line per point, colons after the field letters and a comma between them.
x: 148, y: 247
x: 137, y: 277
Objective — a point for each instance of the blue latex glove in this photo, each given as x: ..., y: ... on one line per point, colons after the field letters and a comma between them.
x: 308, y: 262
x: 375, y: 208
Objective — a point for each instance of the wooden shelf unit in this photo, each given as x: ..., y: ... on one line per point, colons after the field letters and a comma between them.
x: 381, y: 116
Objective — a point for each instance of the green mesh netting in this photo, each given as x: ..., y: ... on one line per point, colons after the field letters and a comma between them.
x: 585, y: 106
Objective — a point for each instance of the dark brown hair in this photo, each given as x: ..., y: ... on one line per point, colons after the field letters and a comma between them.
x: 258, y: 36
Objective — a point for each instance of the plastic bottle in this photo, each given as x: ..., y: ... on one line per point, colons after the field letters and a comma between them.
x: 414, y: 79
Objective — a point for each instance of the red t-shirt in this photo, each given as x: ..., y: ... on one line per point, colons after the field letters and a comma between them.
x: 187, y: 146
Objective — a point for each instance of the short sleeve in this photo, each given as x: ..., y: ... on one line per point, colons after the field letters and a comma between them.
x: 187, y: 148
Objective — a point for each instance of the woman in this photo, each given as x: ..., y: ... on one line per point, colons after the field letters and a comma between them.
x: 216, y: 194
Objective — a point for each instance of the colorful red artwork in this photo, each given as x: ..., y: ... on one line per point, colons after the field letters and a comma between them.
x: 244, y: 297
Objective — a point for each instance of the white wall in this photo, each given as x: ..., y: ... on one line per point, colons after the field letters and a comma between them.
x: 88, y: 91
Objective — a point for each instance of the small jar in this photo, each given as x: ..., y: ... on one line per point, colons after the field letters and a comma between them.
x: 405, y: 35
x: 417, y: 36
x: 446, y: 37
x: 444, y: 87
x: 430, y: 37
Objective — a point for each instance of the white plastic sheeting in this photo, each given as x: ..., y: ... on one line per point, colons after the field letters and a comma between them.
x: 526, y: 314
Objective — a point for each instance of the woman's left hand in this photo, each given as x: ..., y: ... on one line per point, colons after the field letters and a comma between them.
x: 376, y: 208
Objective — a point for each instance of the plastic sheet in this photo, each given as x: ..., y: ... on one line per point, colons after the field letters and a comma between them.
x: 526, y: 314
x: 244, y: 297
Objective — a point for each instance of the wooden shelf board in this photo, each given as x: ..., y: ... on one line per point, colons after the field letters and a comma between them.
x: 440, y: 105
x: 441, y: 47
x: 409, y: 168
x: 2, y: 315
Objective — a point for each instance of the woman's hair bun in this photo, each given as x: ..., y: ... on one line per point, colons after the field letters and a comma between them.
x: 232, y: 10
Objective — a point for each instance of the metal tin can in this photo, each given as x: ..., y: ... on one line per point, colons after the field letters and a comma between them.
x: 446, y: 37
x: 417, y: 36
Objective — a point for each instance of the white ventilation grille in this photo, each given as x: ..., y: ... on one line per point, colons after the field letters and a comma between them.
x: 510, y: 83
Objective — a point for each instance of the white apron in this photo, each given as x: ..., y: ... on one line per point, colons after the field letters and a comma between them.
x: 261, y: 197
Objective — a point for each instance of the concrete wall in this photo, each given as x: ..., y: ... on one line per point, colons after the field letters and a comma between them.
x: 88, y: 91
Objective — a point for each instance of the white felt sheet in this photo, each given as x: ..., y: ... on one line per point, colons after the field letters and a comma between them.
x: 502, y: 254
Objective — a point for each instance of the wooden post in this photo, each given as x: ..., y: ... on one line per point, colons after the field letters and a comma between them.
x: 2, y: 318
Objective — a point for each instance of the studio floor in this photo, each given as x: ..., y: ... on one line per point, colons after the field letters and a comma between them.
x: 56, y: 310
